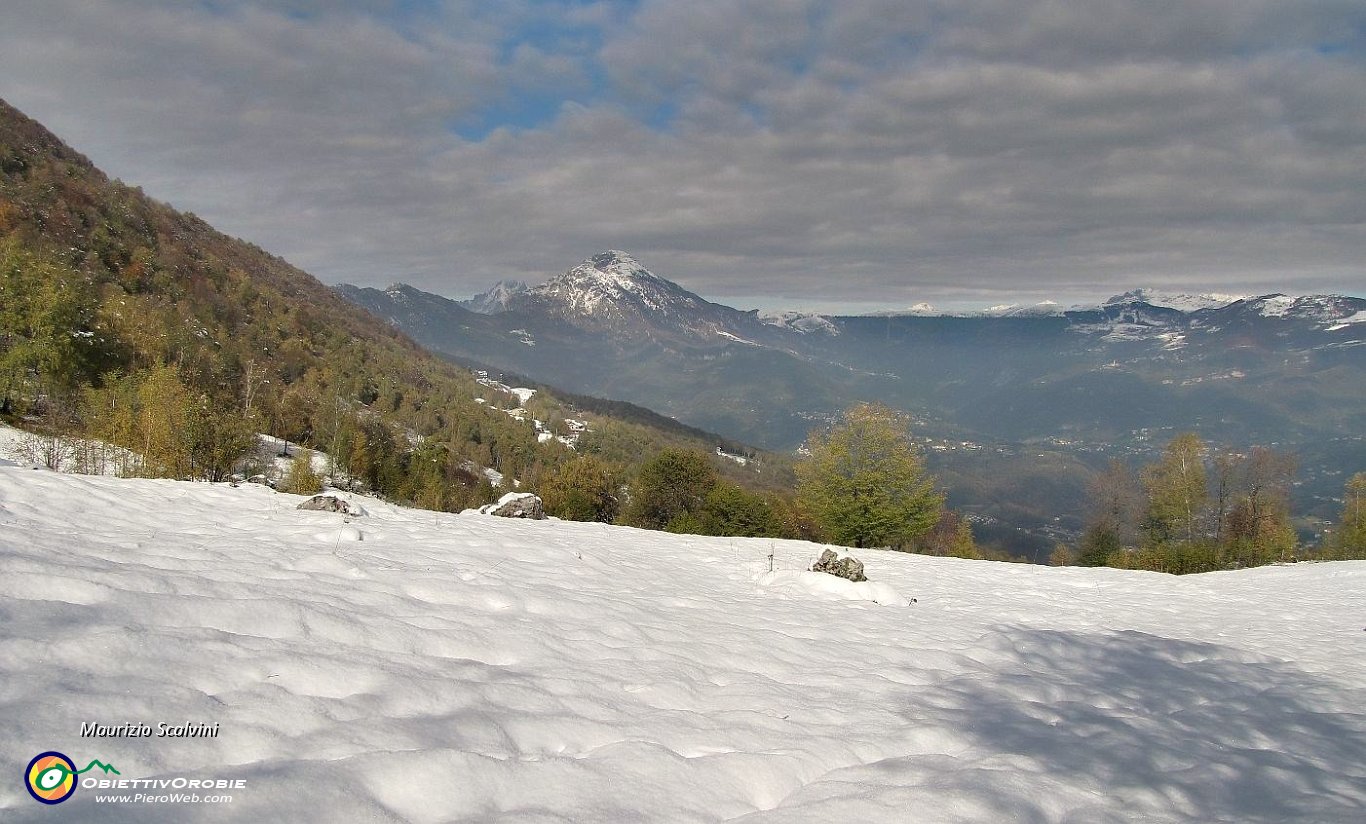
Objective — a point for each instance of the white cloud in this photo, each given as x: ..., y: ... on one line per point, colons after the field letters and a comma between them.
x: 928, y: 150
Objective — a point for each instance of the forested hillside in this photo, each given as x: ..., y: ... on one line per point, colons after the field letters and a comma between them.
x: 125, y: 319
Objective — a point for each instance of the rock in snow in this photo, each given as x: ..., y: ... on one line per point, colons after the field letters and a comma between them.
x: 331, y: 503
x: 516, y: 505
x: 474, y: 669
x: 846, y: 567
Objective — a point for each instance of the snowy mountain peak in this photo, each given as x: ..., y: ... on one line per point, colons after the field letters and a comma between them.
x: 614, y: 285
x: 613, y: 272
x: 618, y: 264
x: 496, y: 299
x: 612, y: 292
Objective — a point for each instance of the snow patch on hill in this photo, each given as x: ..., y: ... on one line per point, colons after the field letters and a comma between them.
x: 736, y: 338
x: 576, y: 428
x: 1275, y: 306
x: 1359, y: 317
x: 65, y: 454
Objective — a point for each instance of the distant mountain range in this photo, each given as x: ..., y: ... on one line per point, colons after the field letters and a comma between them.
x: 1078, y: 383
x: 1141, y: 360
x: 1152, y: 297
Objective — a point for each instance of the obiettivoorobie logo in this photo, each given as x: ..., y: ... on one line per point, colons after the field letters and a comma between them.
x: 51, y: 776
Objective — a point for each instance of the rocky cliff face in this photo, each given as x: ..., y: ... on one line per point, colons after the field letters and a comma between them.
x: 497, y: 299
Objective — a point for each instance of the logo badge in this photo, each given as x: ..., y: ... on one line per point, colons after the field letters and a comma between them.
x: 51, y: 778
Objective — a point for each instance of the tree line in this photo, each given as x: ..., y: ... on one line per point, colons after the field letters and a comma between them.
x: 863, y: 483
x: 1197, y: 509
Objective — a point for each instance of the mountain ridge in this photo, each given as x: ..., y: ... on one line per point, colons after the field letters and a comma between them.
x: 621, y: 267
x: 611, y: 308
x: 989, y: 393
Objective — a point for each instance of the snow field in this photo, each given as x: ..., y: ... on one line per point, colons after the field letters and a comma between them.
x: 425, y: 667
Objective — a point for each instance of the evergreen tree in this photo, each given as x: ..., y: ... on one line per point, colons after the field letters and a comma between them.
x: 865, y: 481
x: 1099, y: 545
x: 216, y: 439
x: 47, y: 340
x: 729, y: 510
x: 671, y: 486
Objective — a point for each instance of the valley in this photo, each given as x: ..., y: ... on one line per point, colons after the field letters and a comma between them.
x: 1016, y: 407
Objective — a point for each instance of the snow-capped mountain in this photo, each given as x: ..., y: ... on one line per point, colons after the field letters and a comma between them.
x: 1188, y: 303
x: 495, y: 300
x: 613, y: 285
x: 1045, y: 308
x: 804, y: 322
x: 1174, y: 300
x: 1325, y: 310
x: 1176, y: 319
x: 1180, y: 301
x: 614, y: 293
x: 1320, y: 310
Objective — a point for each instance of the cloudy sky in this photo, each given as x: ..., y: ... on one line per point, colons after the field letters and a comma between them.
x: 840, y: 155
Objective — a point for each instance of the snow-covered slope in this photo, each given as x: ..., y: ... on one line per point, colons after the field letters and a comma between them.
x: 1181, y: 301
x: 410, y: 666
x: 1046, y: 308
x: 1322, y: 309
